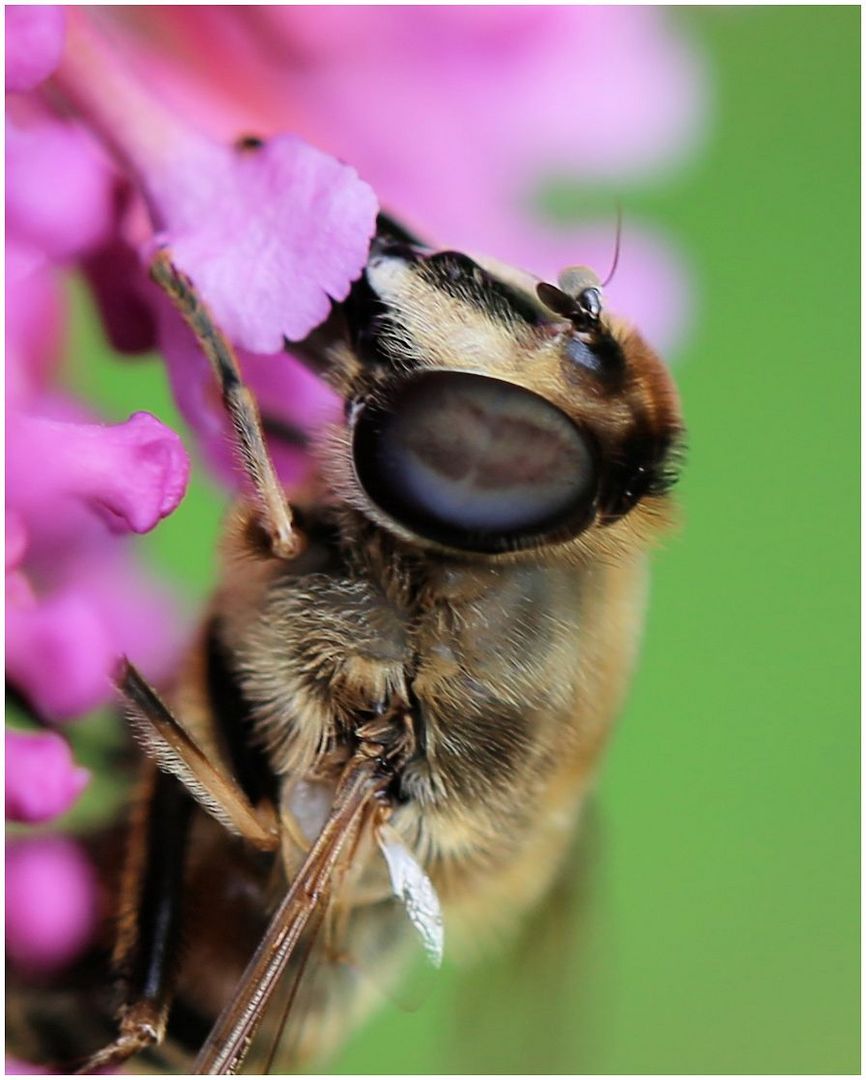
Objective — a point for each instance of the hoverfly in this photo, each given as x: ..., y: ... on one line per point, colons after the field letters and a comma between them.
x: 422, y: 658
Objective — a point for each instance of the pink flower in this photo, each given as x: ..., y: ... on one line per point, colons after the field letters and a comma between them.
x: 42, y: 780
x: 122, y: 293
x: 75, y: 605
x: 51, y: 902
x: 61, y: 221
x: 594, y: 92
x: 598, y: 93
x: 34, y: 42
x: 81, y: 601
x: 59, y: 653
x: 72, y: 485
x: 276, y: 233
x: 35, y: 322
x: 132, y: 474
x: 267, y: 233
x: 75, y: 599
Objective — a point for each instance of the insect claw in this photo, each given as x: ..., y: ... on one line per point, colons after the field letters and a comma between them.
x: 143, y: 1025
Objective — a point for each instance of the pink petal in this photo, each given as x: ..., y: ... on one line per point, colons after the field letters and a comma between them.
x: 486, y: 35
x: 593, y: 92
x: 78, y: 600
x: 140, y: 612
x: 16, y: 540
x: 19, y: 591
x: 51, y: 903
x: 114, y: 272
x: 59, y: 654
x: 644, y: 85
x: 42, y: 780
x: 35, y: 321
x: 134, y: 473
x: 62, y: 645
x: 271, y: 237
x: 34, y: 42
x: 267, y: 234
x: 118, y: 276
x: 61, y: 220
x: 289, y: 393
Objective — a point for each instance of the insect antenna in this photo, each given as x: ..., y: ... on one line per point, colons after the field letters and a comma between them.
x: 616, y: 247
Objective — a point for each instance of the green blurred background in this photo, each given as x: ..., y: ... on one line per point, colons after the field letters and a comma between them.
x: 709, y: 919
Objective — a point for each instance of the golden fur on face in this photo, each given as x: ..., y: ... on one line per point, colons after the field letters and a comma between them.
x: 438, y: 323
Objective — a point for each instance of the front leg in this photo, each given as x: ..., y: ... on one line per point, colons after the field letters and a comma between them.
x: 275, y: 514
x: 146, y: 950
x: 167, y: 743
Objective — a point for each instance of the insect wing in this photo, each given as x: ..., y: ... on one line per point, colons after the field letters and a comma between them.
x: 414, y: 889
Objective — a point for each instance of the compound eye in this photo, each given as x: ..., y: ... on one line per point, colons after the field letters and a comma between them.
x: 474, y: 462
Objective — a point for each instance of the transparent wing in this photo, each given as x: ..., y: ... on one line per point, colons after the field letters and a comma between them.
x: 413, y: 888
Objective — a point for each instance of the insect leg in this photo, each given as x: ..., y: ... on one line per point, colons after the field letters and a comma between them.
x: 146, y: 948
x: 164, y: 740
x: 274, y: 511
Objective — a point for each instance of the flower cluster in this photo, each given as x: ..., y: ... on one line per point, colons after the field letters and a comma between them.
x: 75, y: 595
x: 221, y: 133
